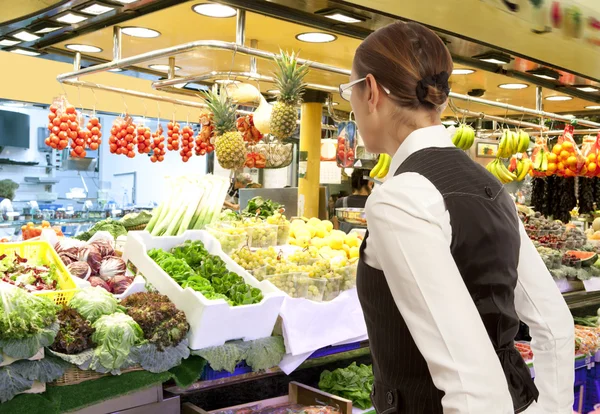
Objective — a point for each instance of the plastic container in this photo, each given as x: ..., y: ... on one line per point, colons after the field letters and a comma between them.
x: 230, y: 237
x: 283, y: 233
x: 310, y: 288
x: 43, y: 253
x: 261, y: 236
x: 212, y: 322
x: 348, y: 274
x: 333, y: 286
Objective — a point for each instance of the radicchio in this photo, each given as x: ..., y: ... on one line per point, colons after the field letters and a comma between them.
x: 112, y: 266
x: 66, y: 259
x: 96, y: 281
x: 119, y: 284
x: 69, y: 247
x: 80, y: 269
x: 92, y: 256
x: 105, y: 247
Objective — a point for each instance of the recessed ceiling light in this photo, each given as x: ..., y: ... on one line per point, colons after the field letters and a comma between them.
x: 545, y: 73
x: 462, y: 71
x: 48, y: 29
x: 70, y: 18
x: 162, y: 68
x: 25, y: 52
x: 45, y: 26
x: 513, y: 86
x: 559, y: 98
x: 587, y: 89
x: 341, y: 15
x: 494, y: 57
x: 116, y: 70
x: 316, y: 37
x: 226, y: 81
x: 140, y: 32
x: 126, y: 1
x: 179, y: 85
x: 273, y: 91
x: 84, y: 48
x: 343, y: 18
x: 593, y: 107
x: 214, y: 10
x: 9, y: 42
x: 449, y: 122
x: 96, y: 8
x: 25, y: 36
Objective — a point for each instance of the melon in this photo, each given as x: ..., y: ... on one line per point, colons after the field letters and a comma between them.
x: 586, y: 258
x: 596, y: 224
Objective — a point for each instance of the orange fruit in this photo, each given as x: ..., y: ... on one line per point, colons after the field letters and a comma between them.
x: 552, y: 157
x: 572, y: 161
x: 557, y: 149
x: 569, y: 173
x: 564, y: 155
x: 549, y: 173
x: 592, y: 167
x: 561, y: 166
x: 552, y: 167
x: 567, y: 145
x: 591, y: 157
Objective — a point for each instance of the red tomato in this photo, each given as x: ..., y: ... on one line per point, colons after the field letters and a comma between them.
x: 70, y: 109
x: 93, y: 146
x: 51, y: 116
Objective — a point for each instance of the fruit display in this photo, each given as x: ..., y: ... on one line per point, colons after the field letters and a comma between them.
x: 157, y: 145
x: 289, y: 79
x: 29, y: 231
x: 382, y: 167
x: 249, y: 132
x: 511, y: 142
x: 554, y: 196
x: 187, y: 143
x: 229, y: 144
x: 173, y: 129
x: 204, y: 140
x: 320, y: 234
x: 520, y: 165
x: 143, y: 139
x: 586, y: 195
x: 499, y: 170
x: 65, y: 128
x: 230, y: 236
x: 571, y: 162
x: 276, y: 154
x: 463, y: 137
x: 283, y: 227
x: 346, y: 144
x: 122, y: 139
x: 544, y: 162
x: 255, y: 160
x: 259, y: 233
x: 94, y: 135
x: 252, y: 260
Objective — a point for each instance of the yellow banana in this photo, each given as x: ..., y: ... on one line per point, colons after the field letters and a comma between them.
x: 456, y: 138
x: 525, y: 170
x: 377, y: 167
x: 386, y: 166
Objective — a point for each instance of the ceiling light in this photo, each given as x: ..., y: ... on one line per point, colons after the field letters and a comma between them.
x: 15, y: 104
x: 116, y: 70
x: 48, y: 29
x: 462, y: 71
x: 587, y: 89
x: 45, y: 26
x: 569, y: 116
x: 559, y: 98
x: 70, y: 18
x: 25, y: 36
x: 316, y: 37
x: 494, y: 57
x: 226, y: 81
x: 84, y: 48
x: 214, y: 10
x: 9, y: 42
x: 545, y: 73
x: 343, y: 18
x: 179, y: 85
x: 341, y: 15
x: 273, y: 91
x: 126, y: 1
x: 140, y: 32
x: 162, y: 68
x: 593, y: 107
x: 95, y: 8
x: 513, y: 86
x: 26, y: 52
x: 449, y: 122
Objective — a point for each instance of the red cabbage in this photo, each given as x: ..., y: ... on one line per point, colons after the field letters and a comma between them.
x: 96, y: 281
x: 119, y: 284
x: 80, y: 269
x: 92, y: 256
x: 104, y: 247
x: 112, y: 266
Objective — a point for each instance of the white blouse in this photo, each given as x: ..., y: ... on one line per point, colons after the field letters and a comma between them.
x: 409, y: 239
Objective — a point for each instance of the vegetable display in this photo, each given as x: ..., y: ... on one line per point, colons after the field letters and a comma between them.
x: 29, y: 231
x: 354, y: 383
x: 190, y: 265
x: 115, y: 335
x: 94, y: 302
x: 26, y: 273
x: 74, y: 333
x: 115, y: 228
x: 260, y: 207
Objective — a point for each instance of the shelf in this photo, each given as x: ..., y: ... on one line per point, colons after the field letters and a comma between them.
x: 6, y: 161
x: 54, y: 222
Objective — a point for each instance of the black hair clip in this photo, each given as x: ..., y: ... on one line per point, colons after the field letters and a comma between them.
x: 440, y: 80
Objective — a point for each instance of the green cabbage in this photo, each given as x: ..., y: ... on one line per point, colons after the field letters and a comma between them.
x: 115, y: 335
x: 94, y: 302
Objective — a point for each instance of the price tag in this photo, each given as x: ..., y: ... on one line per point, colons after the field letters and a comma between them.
x: 592, y: 285
x: 589, y: 362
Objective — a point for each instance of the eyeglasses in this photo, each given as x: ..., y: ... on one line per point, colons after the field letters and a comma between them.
x: 346, y: 88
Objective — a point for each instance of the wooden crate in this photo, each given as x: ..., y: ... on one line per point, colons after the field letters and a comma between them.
x: 298, y: 394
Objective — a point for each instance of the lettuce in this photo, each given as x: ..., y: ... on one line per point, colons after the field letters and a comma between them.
x: 154, y: 360
x: 94, y: 302
x: 115, y: 335
x: 27, y: 347
x: 354, y: 383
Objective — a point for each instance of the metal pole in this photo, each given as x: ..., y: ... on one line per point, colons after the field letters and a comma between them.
x: 539, y: 102
x: 253, y: 63
x: 171, y: 74
x: 117, y: 42
x: 77, y: 61
x: 548, y: 133
x: 240, y: 27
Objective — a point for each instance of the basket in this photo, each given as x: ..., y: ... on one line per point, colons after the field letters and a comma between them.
x: 74, y: 375
x: 277, y: 155
x: 45, y: 254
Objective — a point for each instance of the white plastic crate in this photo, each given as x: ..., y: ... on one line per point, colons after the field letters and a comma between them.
x: 212, y: 322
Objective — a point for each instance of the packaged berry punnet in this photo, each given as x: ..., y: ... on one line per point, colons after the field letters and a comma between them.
x: 570, y: 161
x: 590, y: 149
x: 543, y: 164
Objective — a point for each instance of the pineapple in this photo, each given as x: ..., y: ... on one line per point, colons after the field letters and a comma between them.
x: 289, y: 79
x: 229, y: 144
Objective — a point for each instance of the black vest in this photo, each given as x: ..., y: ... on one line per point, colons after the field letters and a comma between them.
x: 485, y: 246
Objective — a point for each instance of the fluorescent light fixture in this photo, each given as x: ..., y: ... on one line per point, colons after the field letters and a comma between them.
x: 596, y: 107
x: 45, y: 26
x: 214, y: 10
x: 140, y: 32
x: 545, y: 73
x: 95, y: 8
x: 587, y: 89
x: 84, y: 48
x: 179, y: 85
x: 116, y: 70
x: 462, y: 71
x: 449, y: 122
x: 341, y: 15
x: 26, y: 52
x: 9, y: 42
x: 316, y: 37
x: 24, y: 35
x: 70, y: 18
x: 48, y: 29
x: 559, y: 98
x: 343, y: 18
x: 273, y: 91
x: 162, y: 68
x: 125, y: 1
x: 14, y: 104
x: 513, y: 86
x: 226, y: 81
x: 494, y: 57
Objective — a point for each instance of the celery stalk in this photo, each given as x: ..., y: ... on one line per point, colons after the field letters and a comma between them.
x: 191, y: 209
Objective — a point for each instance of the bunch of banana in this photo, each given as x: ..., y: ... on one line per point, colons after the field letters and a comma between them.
x: 523, y: 141
x: 499, y: 170
x: 522, y: 168
x: 541, y: 161
x: 464, y: 137
x: 509, y: 144
x: 382, y: 167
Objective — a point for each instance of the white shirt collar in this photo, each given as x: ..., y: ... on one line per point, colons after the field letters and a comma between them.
x: 434, y: 136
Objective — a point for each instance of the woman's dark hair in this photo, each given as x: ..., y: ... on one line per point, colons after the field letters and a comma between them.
x: 410, y: 60
x: 357, y: 179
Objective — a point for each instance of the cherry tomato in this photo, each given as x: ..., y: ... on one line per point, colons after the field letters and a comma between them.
x: 70, y: 109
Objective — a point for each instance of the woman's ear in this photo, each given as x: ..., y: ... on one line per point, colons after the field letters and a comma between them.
x: 373, y: 92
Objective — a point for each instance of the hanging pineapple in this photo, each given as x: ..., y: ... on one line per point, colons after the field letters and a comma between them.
x: 229, y: 144
x: 289, y: 80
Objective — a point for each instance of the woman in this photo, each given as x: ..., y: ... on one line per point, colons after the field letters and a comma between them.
x: 446, y: 269
x: 361, y: 188
x: 241, y: 180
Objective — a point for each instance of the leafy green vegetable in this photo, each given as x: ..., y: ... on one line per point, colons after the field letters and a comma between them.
x: 115, y: 335
x: 23, y: 314
x: 75, y: 333
x: 224, y: 357
x: 20, y: 375
x: 115, y: 228
x: 354, y: 383
x: 193, y: 252
x: 11, y: 383
x: 82, y: 359
x: 132, y: 220
x: 154, y: 360
x: 27, y: 347
x: 260, y: 207
x: 177, y: 268
x: 93, y: 302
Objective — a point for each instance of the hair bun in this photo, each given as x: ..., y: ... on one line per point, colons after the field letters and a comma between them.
x: 434, y: 89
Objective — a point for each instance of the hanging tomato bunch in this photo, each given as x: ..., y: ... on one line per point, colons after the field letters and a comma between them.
x: 204, y: 144
x: 245, y: 124
x: 158, y: 145
x: 94, y: 137
x: 173, y: 129
x: 64, y: 126
x: 143, y: 139
x: 187, y: 143
x: 122, y: 139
